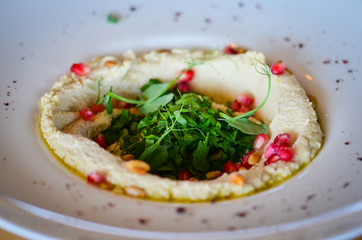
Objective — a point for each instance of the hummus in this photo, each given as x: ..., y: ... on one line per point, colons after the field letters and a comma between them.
x: 221, y: 77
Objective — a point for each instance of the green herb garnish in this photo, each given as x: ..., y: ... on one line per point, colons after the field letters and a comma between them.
x: 184, y: 134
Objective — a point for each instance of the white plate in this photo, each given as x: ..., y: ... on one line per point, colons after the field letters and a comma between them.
x: 319, y: 41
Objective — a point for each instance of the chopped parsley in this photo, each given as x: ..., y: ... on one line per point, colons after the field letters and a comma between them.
x: 184, y: 134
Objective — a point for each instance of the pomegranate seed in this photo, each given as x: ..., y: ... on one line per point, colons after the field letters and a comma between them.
x: 97, y: 108
x: 100, y: 139
x: 244, y: 160
x: 184, y: 87
x: 184, y: 174
x: 244, y: 99
x: 272, y: 159
x: 286, y: 154
x: 86, y: 114
x: 123, y: 105
x: 80, y: 69
x: 243, y: 109
x: 235, y: 106
x: 231, y: 49
x: 282, y: 138
x: 187, y: 76
x: 260, y: 141
x: 278, y: 68
x: 229, y: 167
x: 95, y: 177
x: 271, y: 150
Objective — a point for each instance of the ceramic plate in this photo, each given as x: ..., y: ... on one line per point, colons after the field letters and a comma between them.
x: 319, y: 41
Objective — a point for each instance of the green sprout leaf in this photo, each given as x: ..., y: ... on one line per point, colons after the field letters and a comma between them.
x: 200, y: 156
x: 154, y: 105
x: 247, y: 126
x: 154, y: 90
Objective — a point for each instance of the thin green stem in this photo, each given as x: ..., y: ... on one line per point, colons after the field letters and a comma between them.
x: 265, y: 70
x: 113, y: 95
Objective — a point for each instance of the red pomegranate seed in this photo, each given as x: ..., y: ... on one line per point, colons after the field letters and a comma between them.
x: 187, y: 76
x: 278, y: 68
x: 80, y: 69
x: 244, y: 160
x: 244, y: 99
x: 231, y: 49
x: 229, y: 167
x: 286, y: 154
x: 184, y: 174
x: 272, y: 159
x: 184, y: 87
x: 123, y: 105
x: 235, y: 106
x: 97, y: 108
x: 260, y: 141
x: 243, y: 109
x: 86, y: 114
x: 94, y: 177
x: 271, y: 150
x: 283, y: 138
x: 100, y: 139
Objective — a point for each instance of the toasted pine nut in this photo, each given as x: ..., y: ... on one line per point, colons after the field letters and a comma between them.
x: 106, y: 185
x: 110, y: 64
x: 134, y: 191
x: 254, y: 158
x: 241, y: 50
x: 237, y: 179
x: 118, y: 190
x: 213, y: 174
x: 192, y: 179
x: 128, y: 157
x: 138, y: 167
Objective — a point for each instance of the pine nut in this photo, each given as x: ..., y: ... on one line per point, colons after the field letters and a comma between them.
x: 213, y: 174
x: 193, y: 179
x: 134, y: 191
x: 128, y: 157
x: 137, y: 167
x: 237, y: 179
x: 118, y: 190
x: 110, y: 64
x: 254, y: 158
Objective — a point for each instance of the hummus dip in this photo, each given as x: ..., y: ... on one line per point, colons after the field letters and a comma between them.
x: 222, y: 77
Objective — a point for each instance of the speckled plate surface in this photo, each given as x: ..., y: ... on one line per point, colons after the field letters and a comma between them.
x: 319, y: 41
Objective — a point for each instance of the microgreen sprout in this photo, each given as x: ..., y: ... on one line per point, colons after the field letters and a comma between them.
x: 265, y: 70
x: 241, y: 122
